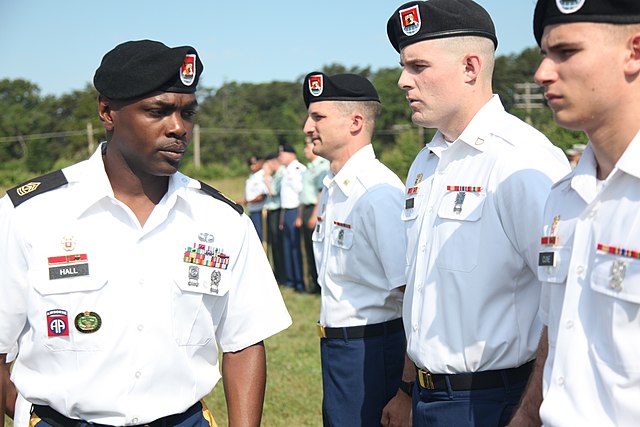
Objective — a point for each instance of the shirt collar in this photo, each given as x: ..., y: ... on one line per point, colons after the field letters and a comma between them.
x: 628, y: 162
x: 347, y: 176
x: 477, y: 131
x: 93, y: 184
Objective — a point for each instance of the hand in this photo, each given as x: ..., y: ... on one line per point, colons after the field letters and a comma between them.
x: 520, y: 419
x: 311, y: 223
x: 298, y: 222
x: 397, y: 413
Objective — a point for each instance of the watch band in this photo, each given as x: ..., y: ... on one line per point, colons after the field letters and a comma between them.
x: 407, y: 387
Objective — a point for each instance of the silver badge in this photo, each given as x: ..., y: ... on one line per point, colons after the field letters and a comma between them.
x: 194, y: 275
x: 215, y: 281
x: 205, y: 237
x: 457, y: 208
x: 618, y: 270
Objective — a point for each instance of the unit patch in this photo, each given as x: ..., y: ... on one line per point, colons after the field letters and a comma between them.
x: 57, y: 323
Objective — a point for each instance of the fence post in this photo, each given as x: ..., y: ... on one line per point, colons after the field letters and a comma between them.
x: 90, y: 142
x: 196, y: 146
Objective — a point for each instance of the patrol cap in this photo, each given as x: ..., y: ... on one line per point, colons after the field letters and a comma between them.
x: 435, y: 19
x: 136, y: 68
x: 549, y: 12
x: 318, y: 86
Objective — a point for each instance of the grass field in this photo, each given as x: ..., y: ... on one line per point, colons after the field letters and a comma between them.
x: 294, y: 389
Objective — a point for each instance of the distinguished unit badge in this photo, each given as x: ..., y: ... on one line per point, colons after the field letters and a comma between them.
x: 410, y: 20
x: 57, y: 323
x: 188, y: 69
x: 316, y: 85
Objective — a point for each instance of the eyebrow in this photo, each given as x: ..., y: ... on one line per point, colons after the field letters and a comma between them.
x: 561, y: 45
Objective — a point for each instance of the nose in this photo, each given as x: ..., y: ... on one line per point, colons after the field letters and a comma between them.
x: 404, y: 82
x: 545, y: 73
x: 308, y: 126
x: 178, y: 127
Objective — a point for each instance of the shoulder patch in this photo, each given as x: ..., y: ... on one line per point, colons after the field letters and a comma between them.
x: 216, y: 194
x: 35, y: 186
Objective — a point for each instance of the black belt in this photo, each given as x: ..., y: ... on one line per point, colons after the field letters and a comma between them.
x: 475, y: 380
x: 56, y: 419
x: 364, y: 331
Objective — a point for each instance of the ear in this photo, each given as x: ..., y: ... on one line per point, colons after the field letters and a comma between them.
x: 472, y: 65
x: 357, y: 122
x: 632, y: 64
x: 105, y: 112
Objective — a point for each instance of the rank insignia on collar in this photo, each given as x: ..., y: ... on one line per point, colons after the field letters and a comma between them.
x: 57, y: 323
x: 88, y: 322
x: 418, y: 179
x: 316, y: 85
x: 410, y: 20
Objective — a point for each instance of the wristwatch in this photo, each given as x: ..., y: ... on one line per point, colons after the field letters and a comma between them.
x: 407, y: 387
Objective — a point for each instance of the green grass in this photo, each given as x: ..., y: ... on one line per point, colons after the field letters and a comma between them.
x: 294, y: 388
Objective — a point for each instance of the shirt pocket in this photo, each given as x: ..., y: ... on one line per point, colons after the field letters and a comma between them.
x: 197, y: 293
x: 616, y: 283
x: 71, y: 296
x: 458, y: 230
x: 342, y: 237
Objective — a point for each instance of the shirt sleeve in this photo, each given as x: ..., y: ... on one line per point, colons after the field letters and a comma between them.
x: 13, y: 279
x: 384, y: 230
x: 255, y: 308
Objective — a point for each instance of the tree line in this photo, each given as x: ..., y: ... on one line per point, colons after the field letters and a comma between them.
x: 42, y: 133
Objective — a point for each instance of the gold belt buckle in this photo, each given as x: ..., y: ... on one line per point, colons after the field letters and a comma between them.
x: 321, y: 332
x: 426, y: 380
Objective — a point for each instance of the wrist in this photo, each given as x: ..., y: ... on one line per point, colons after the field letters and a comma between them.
x: 407, y: 387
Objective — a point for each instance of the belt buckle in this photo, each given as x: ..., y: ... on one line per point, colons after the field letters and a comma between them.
x: 321, y: 331
x: 426, y: 380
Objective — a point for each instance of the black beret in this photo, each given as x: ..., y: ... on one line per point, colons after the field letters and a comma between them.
x: 435, y: 19
x: 549, y: 12
x: 136, y: 68
x: 286, y: 148
x: 318, y: 86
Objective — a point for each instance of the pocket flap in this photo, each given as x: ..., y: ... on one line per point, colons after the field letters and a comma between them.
x: 616, y: 276
x: 462, y: 205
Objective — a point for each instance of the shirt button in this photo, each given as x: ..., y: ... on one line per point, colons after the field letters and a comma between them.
x: 580, y: 269
x: 560, y: 381
x: 138, y: 374
x: 423, y: 248
x: 140, y: 327
x: 134, y: 420
x: 419, y: 287
x: 430, y: 209
x: 140, y: 281
x: 415, y: 326
x: 569, y: 324
x: 592, y: 213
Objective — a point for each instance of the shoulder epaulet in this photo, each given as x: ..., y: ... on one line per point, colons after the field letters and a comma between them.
x: 218, y: 195
x: 35, y: 186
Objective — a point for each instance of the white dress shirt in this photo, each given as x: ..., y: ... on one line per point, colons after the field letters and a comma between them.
x: 591, y: 296
x: 359, y: 243
x: 150, y: 318
x: 254, y: 187
x: 291, y: 185
x: 473, y: 212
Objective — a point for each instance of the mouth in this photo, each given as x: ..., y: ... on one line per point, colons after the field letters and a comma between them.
x: 174, y: 152
x: 552, y: 98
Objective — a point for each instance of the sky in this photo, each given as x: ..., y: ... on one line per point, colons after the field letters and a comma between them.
x: 58, y: 45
